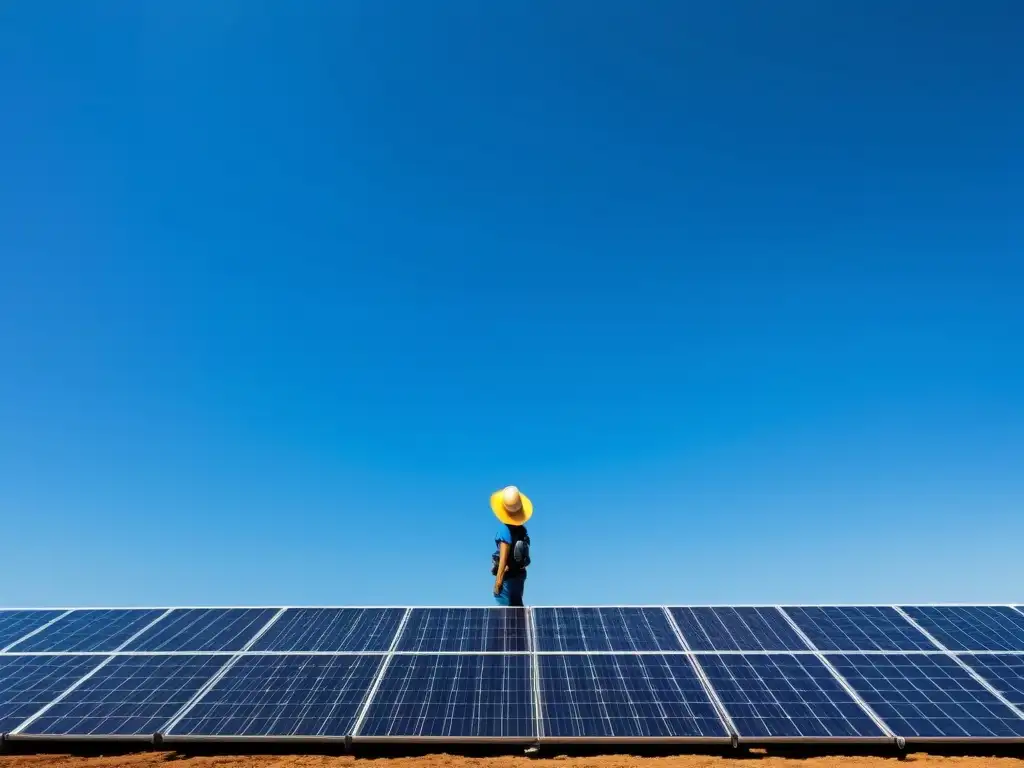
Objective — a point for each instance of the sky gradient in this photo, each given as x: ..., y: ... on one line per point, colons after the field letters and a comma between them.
x: 734, y: 291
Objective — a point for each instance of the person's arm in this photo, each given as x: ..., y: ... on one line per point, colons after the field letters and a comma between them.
x: 499, y: 577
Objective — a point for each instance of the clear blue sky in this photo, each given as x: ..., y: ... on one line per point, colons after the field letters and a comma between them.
x: 735, y: 291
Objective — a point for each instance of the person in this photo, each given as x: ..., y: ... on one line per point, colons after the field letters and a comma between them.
x: 512, y: 557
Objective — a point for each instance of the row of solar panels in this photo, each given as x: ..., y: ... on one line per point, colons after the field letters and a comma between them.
x: 544, y: 630
x: 676, y: 697
x: 627, y: 673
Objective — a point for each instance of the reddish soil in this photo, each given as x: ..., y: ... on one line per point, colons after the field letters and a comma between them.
x: 170, y: 760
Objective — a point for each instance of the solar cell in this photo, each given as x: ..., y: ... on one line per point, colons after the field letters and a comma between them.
x: 89, y: 630
x: 617, y: 696
x: 458, y: 696
x: 603, y: 629
x: 129, y: 696
x: 28, y: 683
x: 782, y: 695
x: 283, y: 695
x: 737, y: 629
x: 14, y: 625
x: 972, y: 628
x: 1003, y: 671
x: 465, y: 629
x: 858, y: 628
x: 927, y: 696
x: 203, y: 629
x: 355, y: 630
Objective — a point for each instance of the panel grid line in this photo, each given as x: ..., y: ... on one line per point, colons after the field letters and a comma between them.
x: 921, y: 629
x: 180, y: 714
x: 856, y: 629
x: 987, y: 685
x: 689, y: 652
x: 699, y: 670
x: 130, y: 697
x: 970, y: 670
x: 365, y: 706
x: 531, y: 642
x: 968, y: 628
x: 930, y: 697
x: 789, y: 697
x: 142, y: 631
x: 34, y: 632
x: 840, y: 679
x: 60, y: 698
x: 264, y: 630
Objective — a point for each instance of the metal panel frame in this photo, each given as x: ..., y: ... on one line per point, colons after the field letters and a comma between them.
x: 533, y: 738
x: 896, y: 608
x: 17, y: 735
x: 716, y: 702
x: 531, y: 644
x: 35, y: 631
x: 728, y: 738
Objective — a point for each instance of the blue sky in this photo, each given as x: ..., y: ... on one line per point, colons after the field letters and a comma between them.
x: 735, y: 292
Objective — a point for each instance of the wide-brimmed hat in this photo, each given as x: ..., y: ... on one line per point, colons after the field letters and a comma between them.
x: 511, y: 506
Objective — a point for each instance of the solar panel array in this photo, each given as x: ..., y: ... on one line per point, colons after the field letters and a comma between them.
x: 718, y: 674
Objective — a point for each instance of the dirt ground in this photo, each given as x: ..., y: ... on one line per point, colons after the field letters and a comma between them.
x: 170, y: 760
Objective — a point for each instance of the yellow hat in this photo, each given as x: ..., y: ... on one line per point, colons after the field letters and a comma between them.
x: 510, y: 506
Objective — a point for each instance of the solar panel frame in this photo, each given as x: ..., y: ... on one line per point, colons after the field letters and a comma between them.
x: 1003, y: 671
x: 187, y: 630
x: 996, y: 628
x: 643, y: 660
x: 373, y: 661
x: 291, y: 632
x: 90, y: 635
x: 410, y: 663
x: 834, y: 628
x: 761, y: 628
x: 14, y: 628
x: 968, y: 682
x: 98, y: 684
x: 449, y: 630
x: 548, y: 636
x: 831, y: 687
x: 32, y: 687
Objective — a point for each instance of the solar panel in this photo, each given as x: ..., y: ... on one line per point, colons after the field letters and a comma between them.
x: 203, y: 629
x: 782, y: 695
x: 611, y: 696
x: 465, y: 629
x: 1003, y: 671
x: 129, y: 696
x: 355, y: 630
x: 283, y: 695
x: 736, y: 629
x: 16, y: 624
x: 972, y: 628
x: 927, y: 696
x: 603, y: 629
x: 28, y: 683
x: 458, y: 696
x: 858, y: 628
x: 89, y: 630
